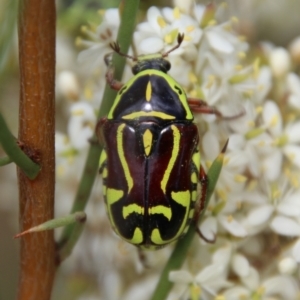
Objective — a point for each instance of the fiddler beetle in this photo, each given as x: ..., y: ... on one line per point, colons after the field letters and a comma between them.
x: 150, y: 163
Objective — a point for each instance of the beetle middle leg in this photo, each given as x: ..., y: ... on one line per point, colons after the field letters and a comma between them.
x: 203, y: 179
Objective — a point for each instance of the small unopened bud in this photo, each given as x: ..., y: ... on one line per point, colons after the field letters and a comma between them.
x: 280, y: 62
x: 287, y: 265
x: 294, y: 49
x: 67, y: 85
x: 184, y: 6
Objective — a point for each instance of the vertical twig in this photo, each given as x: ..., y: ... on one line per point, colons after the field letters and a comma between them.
x: 36, y: 132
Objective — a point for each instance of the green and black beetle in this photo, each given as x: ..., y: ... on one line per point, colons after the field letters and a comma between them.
x: 150, y: 163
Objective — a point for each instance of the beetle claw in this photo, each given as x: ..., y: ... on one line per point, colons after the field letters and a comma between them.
x: 115, y: 46
x: 210, y: 241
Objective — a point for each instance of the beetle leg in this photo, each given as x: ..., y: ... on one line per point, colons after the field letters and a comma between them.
x: 200, y: 106
x: 204, y: 183
x: 98, y: 130
x: 205, y: 238
x: 202, y: 203
x: 143, y: 258
x: 113, y: 83
x: 98, y: 139
x: 107, y: 58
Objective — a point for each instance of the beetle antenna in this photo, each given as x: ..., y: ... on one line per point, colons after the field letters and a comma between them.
x: 180, y: 38
x: 116, y: 47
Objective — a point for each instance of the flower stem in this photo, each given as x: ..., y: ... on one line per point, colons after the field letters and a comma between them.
x: 36, y: 131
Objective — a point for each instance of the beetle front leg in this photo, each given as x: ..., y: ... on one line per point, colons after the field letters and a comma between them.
x: 113, y: 83
x: 200, y: 106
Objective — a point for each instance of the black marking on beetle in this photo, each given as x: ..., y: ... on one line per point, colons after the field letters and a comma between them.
x: 178, y: 89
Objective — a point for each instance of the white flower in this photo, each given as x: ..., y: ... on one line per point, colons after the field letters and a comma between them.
x: 62, y: 144
x: 231, y: 178
x: 226, y: 82
x: 161, y: 30
x: 278, y: 208
x: 217, y: 213
x: 274, y: 286
x: 282, y: 286
x: 296, y: 251
x: 64, y: 155
x: 98, y: 46
x: 67, y: 85
x: 224, y: 205
x: 81, y: 124
x: 263, y: 79
x: 184, y: 5
x: 205, y: 284
x: 180, y: 70
x: 285, y: 139
x: 229, y: 257
x: 141, y: 289
x: 267, y: 140
x: 222, y: 82
x: 260, y: 215
x: 221, y: 42
x: 111, y: 279
x: 286, y: 226
x: 293, y: 85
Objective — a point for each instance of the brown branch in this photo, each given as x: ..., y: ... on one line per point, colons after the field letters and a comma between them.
x: 36, y: 134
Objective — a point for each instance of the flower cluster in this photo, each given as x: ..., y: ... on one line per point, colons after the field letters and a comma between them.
x: 254, y: 214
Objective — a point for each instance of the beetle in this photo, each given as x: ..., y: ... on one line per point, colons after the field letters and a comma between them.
x: 150, y: 162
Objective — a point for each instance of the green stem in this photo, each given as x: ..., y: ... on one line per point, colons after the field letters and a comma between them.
x: 7, y: 29
x: 128, y: 18
x: 8, y: 142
